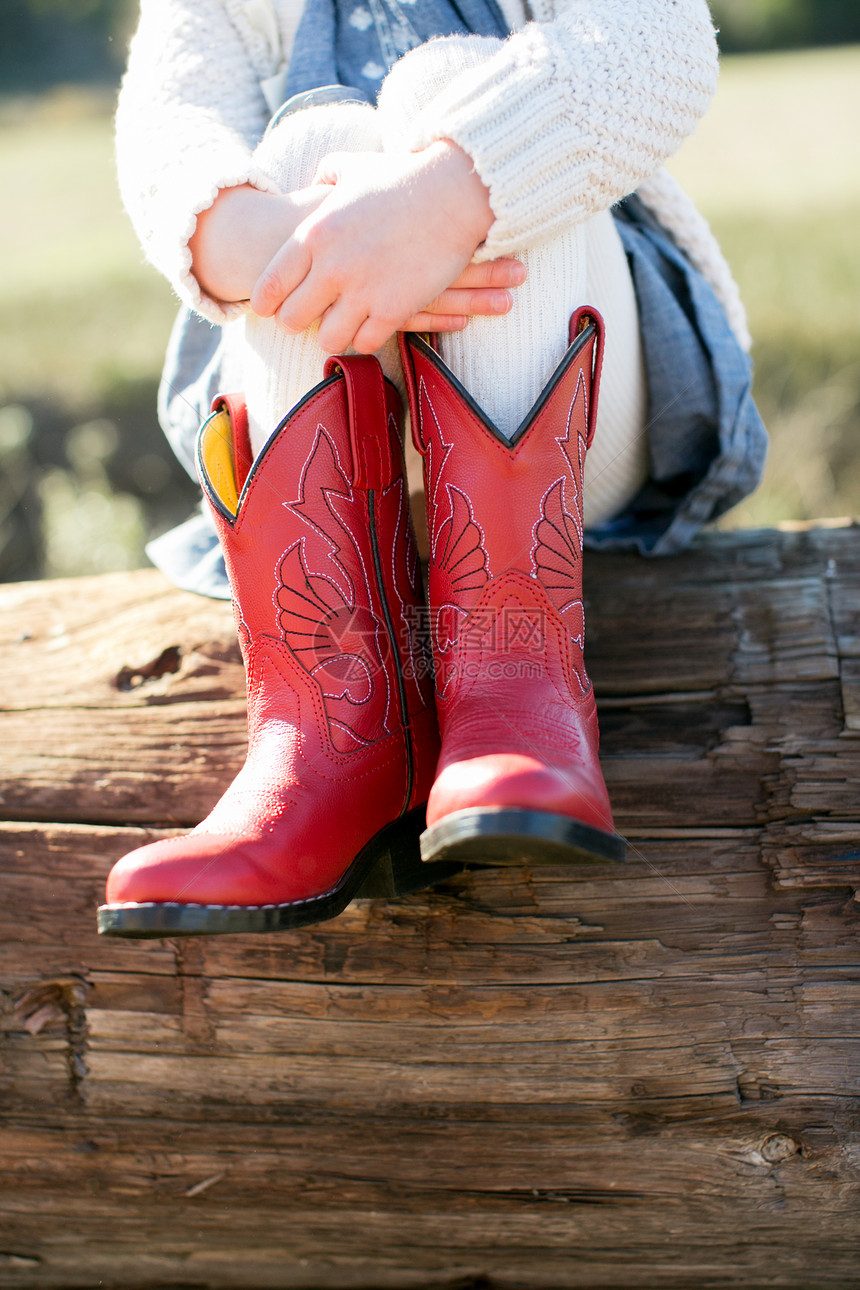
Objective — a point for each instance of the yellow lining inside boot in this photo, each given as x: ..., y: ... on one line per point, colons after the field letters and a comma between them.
x: 216, y: 458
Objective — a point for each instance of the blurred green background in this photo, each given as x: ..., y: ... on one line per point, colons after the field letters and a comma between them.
x: 85, y: 477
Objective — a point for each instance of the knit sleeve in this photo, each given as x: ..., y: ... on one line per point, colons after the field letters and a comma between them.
x: 568, y: 116
x: 189, y: 114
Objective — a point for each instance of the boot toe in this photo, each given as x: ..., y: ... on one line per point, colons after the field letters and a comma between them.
x: 523, y: 782
x: 203, y: 869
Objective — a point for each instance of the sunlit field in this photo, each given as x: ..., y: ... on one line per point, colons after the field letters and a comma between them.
x: 775, y: 166
x: 83, y: 321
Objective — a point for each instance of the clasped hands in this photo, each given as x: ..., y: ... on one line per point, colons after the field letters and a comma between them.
x: 378, y: 243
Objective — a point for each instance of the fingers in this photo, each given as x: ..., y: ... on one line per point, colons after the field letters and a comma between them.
x: 308, y: 303
x: 330, y: 169
x: 481, y: 289
x: 435, y: 322
x: 372, y: 335
x: 313, y: 278
x: 338, y: 329
x: 492, y: 273
x: 483, y: 300
x: 280, y: 278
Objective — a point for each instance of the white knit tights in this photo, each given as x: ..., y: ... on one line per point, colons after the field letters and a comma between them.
x: 503, y: 362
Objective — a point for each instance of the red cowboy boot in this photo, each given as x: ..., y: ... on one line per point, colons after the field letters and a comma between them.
x: 518, y: 775
x: 342, y: 732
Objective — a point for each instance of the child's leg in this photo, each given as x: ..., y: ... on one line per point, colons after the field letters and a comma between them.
x: 517, y: 716
x: 617, y: 463
x: 279, y: 368
x: 505, y: 362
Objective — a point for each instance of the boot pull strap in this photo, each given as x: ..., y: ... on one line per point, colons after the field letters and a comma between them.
x: 373, y: 463
x: 579, y: 322
x: 234, y: 406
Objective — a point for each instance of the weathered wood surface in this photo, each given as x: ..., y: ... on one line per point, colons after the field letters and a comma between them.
x: 638, y: 1077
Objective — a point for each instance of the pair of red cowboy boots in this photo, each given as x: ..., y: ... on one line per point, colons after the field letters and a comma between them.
x: 344, y: 745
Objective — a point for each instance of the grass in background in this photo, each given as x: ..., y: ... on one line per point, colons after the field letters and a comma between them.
x: 83, y: 321
x: 774, y: 167
x: 85, y: 476
x: 79, y: 310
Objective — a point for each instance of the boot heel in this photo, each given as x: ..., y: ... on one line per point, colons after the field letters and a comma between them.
x: 511, y: 836
x: 398, y: 868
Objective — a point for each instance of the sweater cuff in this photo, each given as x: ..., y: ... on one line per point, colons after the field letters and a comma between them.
x: 508, y: 114
x: 171, y: 254
x: 217, y: 311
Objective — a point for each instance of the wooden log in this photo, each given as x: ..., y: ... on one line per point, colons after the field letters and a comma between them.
x: 607, y: 1077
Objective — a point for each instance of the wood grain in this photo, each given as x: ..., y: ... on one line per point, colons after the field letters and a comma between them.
x: 548, y: 1078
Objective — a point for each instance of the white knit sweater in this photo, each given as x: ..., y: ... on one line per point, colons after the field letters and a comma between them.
x: 578, y: 108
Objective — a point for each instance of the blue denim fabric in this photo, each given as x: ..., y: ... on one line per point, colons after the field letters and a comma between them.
x: 348, y: 43
x: 706, y: 439
x: 191, y: 557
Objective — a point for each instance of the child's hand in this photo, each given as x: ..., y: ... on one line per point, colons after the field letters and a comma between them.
x: 480, y: 289
x: 388, y: 249
x: 240, y: 232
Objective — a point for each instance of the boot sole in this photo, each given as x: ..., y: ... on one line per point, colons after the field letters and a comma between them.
x: 389, y: 865
x: 511, y: 836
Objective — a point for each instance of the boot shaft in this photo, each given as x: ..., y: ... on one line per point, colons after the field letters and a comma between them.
x: 505, y: 517
x: 319, y: 549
